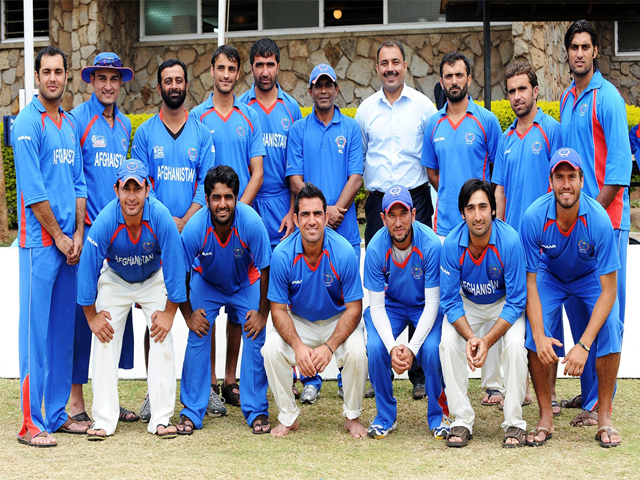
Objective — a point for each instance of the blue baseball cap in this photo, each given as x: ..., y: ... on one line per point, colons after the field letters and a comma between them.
x: 322, y: 69
x: 565, y: 155
x: 132, y: 169
x: 107, y: 60
x: 397, y: 194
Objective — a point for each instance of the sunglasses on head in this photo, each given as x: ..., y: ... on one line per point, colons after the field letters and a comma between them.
x: 109, y: 62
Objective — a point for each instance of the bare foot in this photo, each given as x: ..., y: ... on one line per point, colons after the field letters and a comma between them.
x: 355, y: 428
x: 282, y: 430
x: 162, y: 430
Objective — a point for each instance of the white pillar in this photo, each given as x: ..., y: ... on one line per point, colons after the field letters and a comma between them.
x: 222, y: 20
x: 29, y: 77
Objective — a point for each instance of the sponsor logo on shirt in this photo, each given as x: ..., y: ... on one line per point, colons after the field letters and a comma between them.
x: 438, y: 139
x: 341, y: 142
x: 24, y: 137
x: 583, y: 109
x: 238, y: 251
x: 583, y: 246
x: 494, y: 271
x: 536, y: 147
x: 286, y: 123
x: 158, y: 151
x: 92, y: 242
x: 63, y: 155
x: 507, y: 151
x: 206, y: 254
x: 296, y: 282
x: 240, y: 131
x: 328, y: 278
x: 193, y: 154
x: 469, y: 138
x: 98, y: 141
x: 444, y: 270
x: 416, y: 272
x: 213, y: 149
x: 148, y: 246
x: 548, y: 247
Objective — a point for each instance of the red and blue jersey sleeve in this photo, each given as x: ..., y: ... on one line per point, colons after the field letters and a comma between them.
x: 279, y: 273
x: 634, y: 140
x: 450, y: 277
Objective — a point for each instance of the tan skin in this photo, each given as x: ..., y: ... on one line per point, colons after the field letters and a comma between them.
x: 455, y: 78
x: 566, y: 183
x: 311, y: 220
x: 51, y: 80
x: 265, y: 74
x: 398, y: 221
x: 477, y: 214
x: 323, y: 93
x: 132, y: 197
x: 392, y: 69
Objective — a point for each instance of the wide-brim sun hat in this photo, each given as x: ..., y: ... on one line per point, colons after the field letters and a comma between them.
x: 107, y: 60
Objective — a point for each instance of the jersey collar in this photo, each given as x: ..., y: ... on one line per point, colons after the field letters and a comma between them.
x: 335, y: 119
x: 594, y: 84
x: 551, y: 210
x: 472, y: 108
x: 464, y: 237
x: 98, y: 107
x: 38, y: 104
x: 209, y: 102
x: 404, y: 94
x: 145, y: 211
x: 537, y: 119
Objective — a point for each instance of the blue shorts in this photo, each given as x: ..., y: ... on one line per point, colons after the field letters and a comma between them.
x: 272, y: 210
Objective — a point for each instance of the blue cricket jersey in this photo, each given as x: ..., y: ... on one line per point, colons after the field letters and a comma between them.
x: 634, y: 139
x: 522, y: 164
x: 177, y: 166
x: 103, y: 149
x: 499, y: 271
x: 588, y: 247
x: 234, y: 264
x: 595, y: 125
x: 315, y: 292
x: 133, y: 260
x: 237, y: 138
x: 276, y: 123
x: 403, y: 284
x: 327, y: 156
x: 459, y: 152
x: 48, y: 166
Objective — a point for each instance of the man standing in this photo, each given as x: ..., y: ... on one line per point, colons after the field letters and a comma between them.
x: 51, y: 210
x: 316, y: 306
x: 237, y: 139
x: 570, y: 250
x: 460, y: 143
x: 231, y: 246
x: 402, y: 274
x: 104, y: 134
x: 134, y: 234
x: 177, y: 152
x: 482, y: 283
x: 594, y: 123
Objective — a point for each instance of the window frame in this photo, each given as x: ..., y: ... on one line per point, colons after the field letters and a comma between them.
x: 634, y: 53
x: 3, y: 32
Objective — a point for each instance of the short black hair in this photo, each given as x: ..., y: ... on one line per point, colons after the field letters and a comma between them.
x: 390, y: 44
x: 580, y: 26
x: 265, y: 47
x: 221, y: 174
x: 172, y: 62
x: 309, y: 191
x: 522, y: 69
x: 228, y: 51
x: 470, y: 187
x: 451, y: 58
x: 50, y: 51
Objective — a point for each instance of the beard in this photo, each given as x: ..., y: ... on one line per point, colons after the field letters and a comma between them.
x: 456, y: 97
x: 174, y: 102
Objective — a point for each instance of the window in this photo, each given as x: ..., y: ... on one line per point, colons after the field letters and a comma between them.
x: 627, y: 38
x: 341, y: 12
x: 242, y: 15
x: 13, y: 19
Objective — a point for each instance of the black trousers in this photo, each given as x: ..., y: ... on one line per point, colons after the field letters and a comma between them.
x: 421, y: 197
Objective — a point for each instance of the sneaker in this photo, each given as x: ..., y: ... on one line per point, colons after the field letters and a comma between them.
x: 309, y: 395
x: 145, y: 410
x: 418, y: 392
x: 370, y: 392
x: 443, y: 430
x: 378, y: 432
x: 215, y: 407
x: 340, y: 392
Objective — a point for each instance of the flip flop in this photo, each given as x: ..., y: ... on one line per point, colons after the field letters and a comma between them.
x: 555, y: 404
x: 166, y: 435
x: 609, y: 431
x: 582, y: 417
x: 490, y: 393
x: 82, y: 417
x: 123, y: 416
x: 183, y: 421
x: 263, y: 420
x: 547, y: 436
x: 27, y: 440
x: 64, y: 428
x: 96, y: 437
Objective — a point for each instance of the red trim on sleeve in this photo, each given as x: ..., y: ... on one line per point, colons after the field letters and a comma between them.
x: 550, y: 222
x: 86, y: 132
x: 123, y: 127
x: 436, y: 126
x: 23, y: 223
x: 87, y: 220
x: 115, y: 234
x: 146, y: 224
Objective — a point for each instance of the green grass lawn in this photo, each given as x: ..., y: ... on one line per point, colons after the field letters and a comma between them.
x: 321, y: 449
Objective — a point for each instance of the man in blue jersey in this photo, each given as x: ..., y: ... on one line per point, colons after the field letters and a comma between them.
x: 593, y: 121
x: 570, y: 251
x: 134, y: 234
x: 104, y: 134
x: 522, y: 162
x: 634, y: 140
x: 460, y: 142
x: 316, y: 306
x: 177, y: 151
x: 482, y: 283
x: 230, y: 244
x: 237, y: 138
x: 402, y: 274
x: 51, y: 209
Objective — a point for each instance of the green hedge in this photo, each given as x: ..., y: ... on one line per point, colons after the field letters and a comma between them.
x: 501, y: 108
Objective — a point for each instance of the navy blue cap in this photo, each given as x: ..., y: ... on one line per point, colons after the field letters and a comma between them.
x: 322, y: 69
x: 565, y: 155
x: 132, y: 168
x: 397, y: 194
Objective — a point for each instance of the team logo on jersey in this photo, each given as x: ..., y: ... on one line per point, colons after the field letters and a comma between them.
x: 193, y: 154
x: 237, y: 252
x: 416, y: 272
x: 125, y: 143
x: 583, y: 109
x: 583, y: 245
x: 341, y: 142
x: 158, y: 151
x: 240, y: 131
x: 98, y: 141
x: 536, y: 147
x: 148, y: 246
x: 328, y: 278
x: 494, y: 271
x: 469, y: 137
x: 395, y: 191
x: 286, y: 123
x: 563, y: 152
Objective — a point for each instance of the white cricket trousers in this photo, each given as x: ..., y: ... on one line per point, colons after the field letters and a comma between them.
x: 351, y: 356
x: 116, y: 296
x: 513, y: 359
